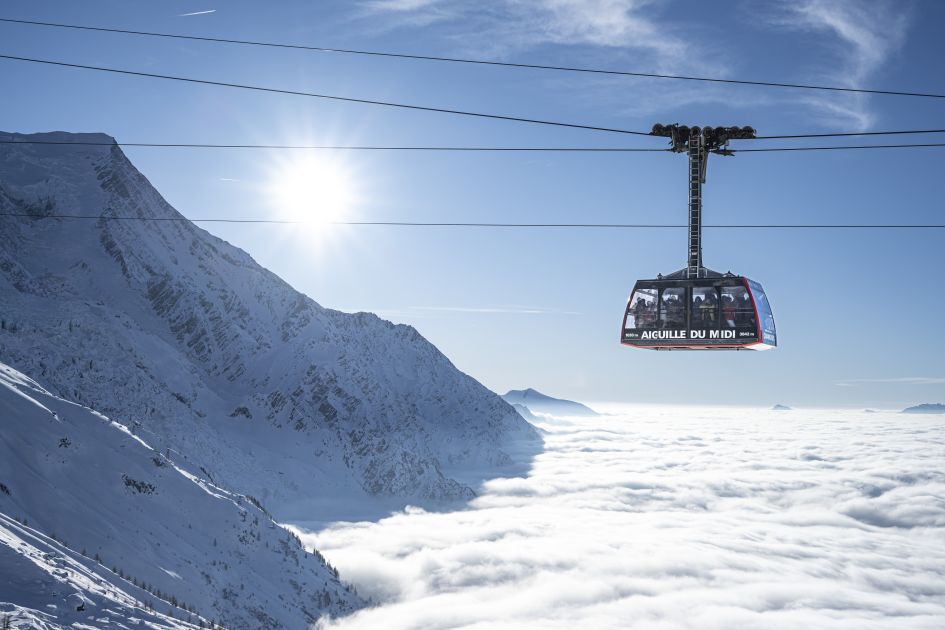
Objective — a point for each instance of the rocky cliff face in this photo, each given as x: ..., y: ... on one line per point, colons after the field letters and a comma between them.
x: 218, y: 361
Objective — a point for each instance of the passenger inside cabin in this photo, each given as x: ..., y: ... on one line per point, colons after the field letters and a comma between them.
x: 704, y: 308
x: 644, y: 313
x: 637, y: 311
x: 745, y: 316
x: 728, y: 310
x: 673, y: 311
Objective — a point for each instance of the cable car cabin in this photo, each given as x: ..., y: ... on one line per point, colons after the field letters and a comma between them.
x: 719, y: 312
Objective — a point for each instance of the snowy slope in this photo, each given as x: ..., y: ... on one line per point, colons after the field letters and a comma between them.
x: 77, y: 488
x: 44, y: 586
x: 162, y: 324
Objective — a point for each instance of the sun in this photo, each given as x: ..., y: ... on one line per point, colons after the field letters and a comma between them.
x: 315, y: 191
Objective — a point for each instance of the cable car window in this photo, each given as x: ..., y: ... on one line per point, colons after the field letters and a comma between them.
x: 673, y: 308
x: 641, y: 312
x: 764, y: 312
x: 730, y: 301
x: 705, y: 308
x: 744, y: 310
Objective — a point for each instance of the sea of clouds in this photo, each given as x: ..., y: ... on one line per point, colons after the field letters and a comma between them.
x: 676, y: 518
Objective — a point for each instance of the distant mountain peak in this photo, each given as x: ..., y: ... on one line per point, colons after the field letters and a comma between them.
x: 538, y: 402
x: 528, y: 393
x: 932, y: 408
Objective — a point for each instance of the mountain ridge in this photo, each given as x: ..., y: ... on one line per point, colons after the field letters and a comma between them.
x: 214, y: 356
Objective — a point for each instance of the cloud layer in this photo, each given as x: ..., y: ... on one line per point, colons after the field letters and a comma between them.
x: 677, y: 518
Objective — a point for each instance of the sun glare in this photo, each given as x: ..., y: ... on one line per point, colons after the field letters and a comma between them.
x: 314, y: 190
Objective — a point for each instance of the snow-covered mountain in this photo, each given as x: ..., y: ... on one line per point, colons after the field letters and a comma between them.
x: 537, y: 402
x: 217, y: 361
x: 96, y: 525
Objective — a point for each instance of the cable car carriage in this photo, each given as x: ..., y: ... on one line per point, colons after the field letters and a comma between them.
x: 713, y: 312
x: 696, y: 308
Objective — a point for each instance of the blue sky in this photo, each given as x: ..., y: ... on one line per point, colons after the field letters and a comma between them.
x: 859, y: 313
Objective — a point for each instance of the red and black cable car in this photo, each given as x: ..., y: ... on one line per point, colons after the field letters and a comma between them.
x: 696, y: 308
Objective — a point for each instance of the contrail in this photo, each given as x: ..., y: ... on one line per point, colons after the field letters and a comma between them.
x: 197, y: 13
